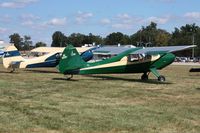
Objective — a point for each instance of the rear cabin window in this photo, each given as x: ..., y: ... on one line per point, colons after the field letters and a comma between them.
x: 138, y: 57
x: 133, y: 57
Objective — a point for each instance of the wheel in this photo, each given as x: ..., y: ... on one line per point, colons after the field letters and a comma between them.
x: 144, y: 77
x: 161, y: 78
x: 12, y: 70
x: 68, y: 78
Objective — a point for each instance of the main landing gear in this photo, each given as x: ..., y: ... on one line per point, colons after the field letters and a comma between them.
x: 145, y: 76
x: 11, y: 70
x: 161, y: 78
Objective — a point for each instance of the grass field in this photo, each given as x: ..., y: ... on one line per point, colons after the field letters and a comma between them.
x: 42, y: 101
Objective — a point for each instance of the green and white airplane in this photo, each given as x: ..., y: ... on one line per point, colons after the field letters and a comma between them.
x: 133, y: 60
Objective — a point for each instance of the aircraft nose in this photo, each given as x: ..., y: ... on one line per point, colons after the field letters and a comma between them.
x: 164, y: 61
x: 168, y: 59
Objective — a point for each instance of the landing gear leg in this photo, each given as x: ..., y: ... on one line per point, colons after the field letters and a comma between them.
x: 68, y: 78
x: 145, y: 76
x: 161, y: 78
x: 12, y: 70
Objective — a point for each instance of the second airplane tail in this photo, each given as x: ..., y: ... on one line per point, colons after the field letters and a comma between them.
x: 12, y: 57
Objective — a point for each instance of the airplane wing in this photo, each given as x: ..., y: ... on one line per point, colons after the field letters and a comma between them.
x: 155, y: 50
x: 48, y: 49
x: 113, y: 50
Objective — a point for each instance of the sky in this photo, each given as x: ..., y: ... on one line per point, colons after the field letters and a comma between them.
x: 41, y: 18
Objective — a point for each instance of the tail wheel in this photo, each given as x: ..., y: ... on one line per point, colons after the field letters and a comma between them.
x: 161, y: 78
x: 69, y: 77
x: 12, y: 70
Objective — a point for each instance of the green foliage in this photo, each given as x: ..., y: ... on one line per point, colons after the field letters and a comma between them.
x: 146, y: 36
x: 187, y: 35
x: 162, y: 38
x: 20, y: 43
x: 40, y: 44
x: 27, y: 43
x: 152, y: 35
x: 17, y: 40
x: 78, y: 39
x: 117, y: 38
x: 59, y: 39
x: 90, y: 39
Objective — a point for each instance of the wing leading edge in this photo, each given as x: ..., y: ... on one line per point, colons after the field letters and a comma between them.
x: 168, y: 49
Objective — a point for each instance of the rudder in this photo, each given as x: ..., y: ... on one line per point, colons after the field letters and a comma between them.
x: 11, y: 56
x: 71, y: 61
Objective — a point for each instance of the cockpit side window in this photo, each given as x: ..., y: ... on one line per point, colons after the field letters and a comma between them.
x: 133, y: 57
x: 147, y: 56
x: 138, y: 57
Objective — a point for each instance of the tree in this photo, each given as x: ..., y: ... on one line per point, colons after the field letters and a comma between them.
x: 114, y: 38
x: 58, y: 39
x: 90, y: 39
x: 150, y: 35
x: 17, y: 40
x: 162, y: 38
x: 40, y: 44
x: 76, y: 39
x: 27, y: 43
x: 187, y: 35
x: 125, y: 40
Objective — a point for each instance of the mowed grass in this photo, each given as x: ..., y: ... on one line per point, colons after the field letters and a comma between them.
x: 41, y: 100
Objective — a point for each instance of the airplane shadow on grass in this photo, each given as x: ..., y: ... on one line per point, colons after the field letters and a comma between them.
x: 103, y: 77
x: 194, y: 74
x: 97, y: 77
x: 65, y: 79
x: 40, y: 71
x: 8, y: 72
x: 4, y: 72
x: 198, y: 89
x: 31, y: 71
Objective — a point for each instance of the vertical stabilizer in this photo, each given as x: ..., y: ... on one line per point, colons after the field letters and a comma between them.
x: 71, y: 61
x: 11, y: 55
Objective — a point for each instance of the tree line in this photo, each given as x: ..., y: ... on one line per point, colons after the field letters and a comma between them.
x: 148, y: 36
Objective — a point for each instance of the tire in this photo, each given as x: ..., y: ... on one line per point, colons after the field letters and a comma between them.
x: 161, y: 78
x: 70, y: 77
x: 144, y: 77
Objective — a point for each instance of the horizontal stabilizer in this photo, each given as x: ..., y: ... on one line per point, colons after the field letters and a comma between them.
x: 195, y: 70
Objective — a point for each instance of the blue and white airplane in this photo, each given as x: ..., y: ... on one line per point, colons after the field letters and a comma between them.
x: 12, y: 58
x: 1, y: 51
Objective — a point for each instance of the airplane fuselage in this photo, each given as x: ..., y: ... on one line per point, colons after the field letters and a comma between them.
x: 125, y: 64
x: 133, y: 60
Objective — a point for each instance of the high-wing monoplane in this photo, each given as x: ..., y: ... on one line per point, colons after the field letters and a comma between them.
x: 50, y: 57
x: 132, y: 60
